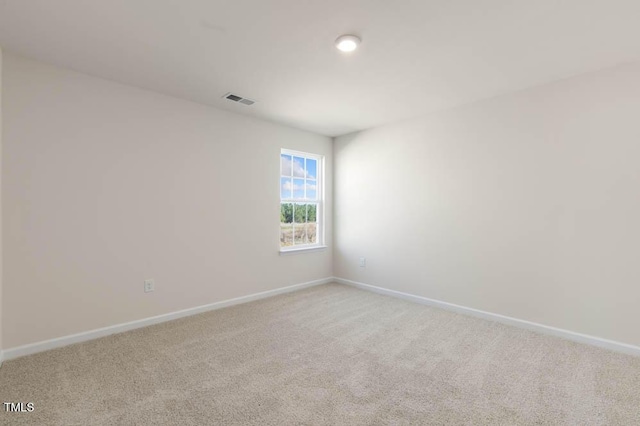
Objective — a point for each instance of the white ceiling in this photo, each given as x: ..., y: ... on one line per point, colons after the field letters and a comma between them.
x: 417, y: 56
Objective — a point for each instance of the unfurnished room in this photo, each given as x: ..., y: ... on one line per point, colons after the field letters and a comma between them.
x: 320, y: 212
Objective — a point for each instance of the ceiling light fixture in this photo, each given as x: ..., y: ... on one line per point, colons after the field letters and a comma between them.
x: 347, y: 43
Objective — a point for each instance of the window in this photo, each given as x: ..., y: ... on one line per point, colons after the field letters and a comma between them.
x: 300, y: 200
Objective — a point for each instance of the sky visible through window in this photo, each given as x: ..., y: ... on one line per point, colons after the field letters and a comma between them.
x: 298, y: 178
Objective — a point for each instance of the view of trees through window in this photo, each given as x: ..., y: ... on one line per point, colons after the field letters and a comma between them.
x: 298, y: 199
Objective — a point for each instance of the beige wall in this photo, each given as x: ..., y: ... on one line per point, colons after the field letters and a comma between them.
x: 1, y: 244
x: 527, y: 205
x: 106, y: 185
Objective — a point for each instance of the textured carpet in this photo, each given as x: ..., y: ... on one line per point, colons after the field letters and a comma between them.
x: 326, y: 355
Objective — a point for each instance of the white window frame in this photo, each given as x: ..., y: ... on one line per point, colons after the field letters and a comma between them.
x: 320, y: 214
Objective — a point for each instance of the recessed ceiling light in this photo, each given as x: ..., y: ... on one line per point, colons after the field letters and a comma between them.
x: 347, y: 43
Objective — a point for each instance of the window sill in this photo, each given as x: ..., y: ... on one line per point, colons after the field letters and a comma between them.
x: 302, y: 250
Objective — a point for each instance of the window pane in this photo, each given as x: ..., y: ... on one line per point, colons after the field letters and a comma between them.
x: 300, y: 194
x: 285, y: 187
x: 299, y: 213
x: 298, y: 189
x: 312, y: 189
x: 312, y: 166
x: 300, y: 234
x: 298, y: 167
x: 311, y: 229
x: 286, y: 234
x: 286, y: 213
x: 312, y: 210
x: 285, y: 165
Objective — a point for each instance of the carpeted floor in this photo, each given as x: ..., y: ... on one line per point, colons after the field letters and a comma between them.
x: 326, y: 355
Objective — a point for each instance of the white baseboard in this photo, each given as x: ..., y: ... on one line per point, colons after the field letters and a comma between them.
x: 46, y: 345
x: 544, y: 329
x: 1, y: 358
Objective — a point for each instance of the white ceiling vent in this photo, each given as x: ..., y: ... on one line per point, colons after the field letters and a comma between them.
x: 239, y: 99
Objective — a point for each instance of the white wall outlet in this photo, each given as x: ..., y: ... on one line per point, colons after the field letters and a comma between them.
x: 363, y: 262
x: 149, y: 285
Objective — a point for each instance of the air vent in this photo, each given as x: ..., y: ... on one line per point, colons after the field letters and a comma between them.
x: 240, y: 99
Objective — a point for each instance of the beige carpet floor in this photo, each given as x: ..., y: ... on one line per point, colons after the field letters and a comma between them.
x: 326, y: 355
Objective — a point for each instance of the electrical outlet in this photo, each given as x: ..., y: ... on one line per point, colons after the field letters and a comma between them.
x: 149, y: 285
x: 363, y: 262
